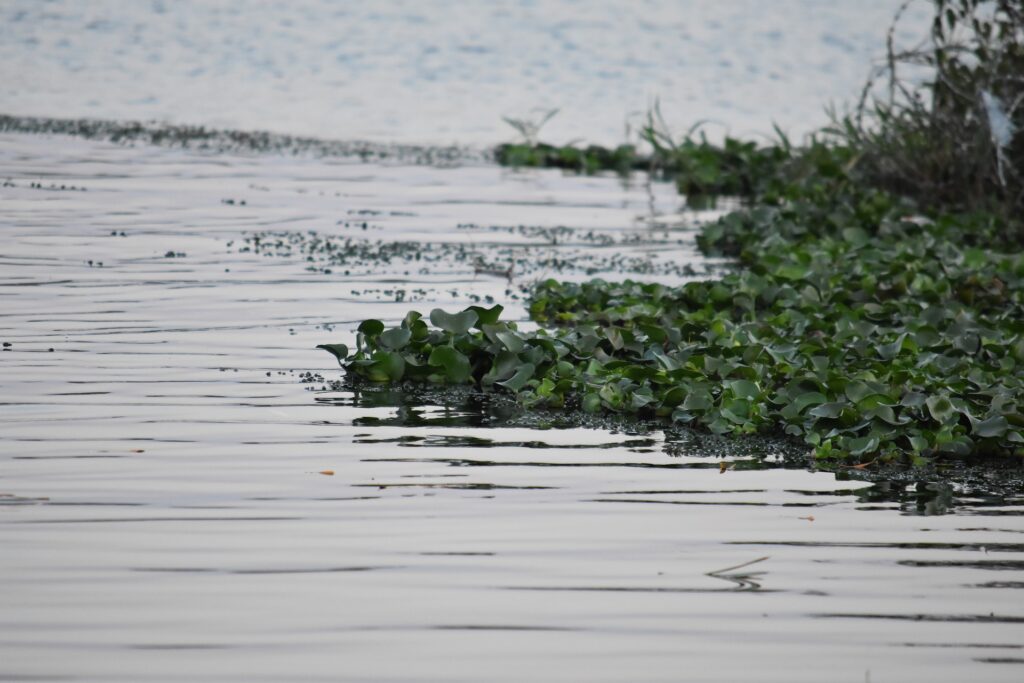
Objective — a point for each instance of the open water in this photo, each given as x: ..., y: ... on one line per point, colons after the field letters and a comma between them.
x: 186, y: 495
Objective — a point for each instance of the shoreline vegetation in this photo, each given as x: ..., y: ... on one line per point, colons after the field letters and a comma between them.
x: 877, y: 310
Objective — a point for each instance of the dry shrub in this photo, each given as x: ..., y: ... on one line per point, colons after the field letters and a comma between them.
x: 952, y: 140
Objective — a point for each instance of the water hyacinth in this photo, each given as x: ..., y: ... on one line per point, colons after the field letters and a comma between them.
x: 853, y: 323
x: 876, y: 310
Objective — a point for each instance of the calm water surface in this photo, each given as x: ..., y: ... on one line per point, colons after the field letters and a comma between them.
x: 165, y: 514
x: 430, y: 71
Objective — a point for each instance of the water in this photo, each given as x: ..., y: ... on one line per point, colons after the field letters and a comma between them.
x: 175, y: 504
x: 428, y: 72
x: 186, y: 492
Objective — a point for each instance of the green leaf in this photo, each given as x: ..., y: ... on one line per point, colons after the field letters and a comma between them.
x: 396, y: 338
x: 862, y: 445
x: 698, y: 400
x: 455, y: 364
x: 891, y: 351
x: 510, y: 340
x: 455, y: 323
x: 591, y: 403
x: 674, y: 397
x: 856, y: 236
x: 855, y: 391
x: 339, y: 351
x: 371, y: 328
x: 913, y: 399
x: 387, y: 366
x: 504, y: 366
x: 828, y: 410
x: 792, y: 271
x: 486, y: 316
x: 743, y: 388
x: 809, y: 398
x: 918, y: 443
x: 419, y: 329
x: 940, y: 408
x: 517, y: 382
x: 991, y: 428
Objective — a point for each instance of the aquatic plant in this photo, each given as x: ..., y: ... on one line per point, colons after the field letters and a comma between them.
x: 904, y: 342
x: 854, y: 323
x: 590, y: 159
x: 865, y: 319
x: 529, y: 128
x: 949, y: 139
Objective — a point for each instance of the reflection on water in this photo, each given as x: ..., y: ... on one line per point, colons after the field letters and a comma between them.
x: 1000, y: 492
x: 174, y: 478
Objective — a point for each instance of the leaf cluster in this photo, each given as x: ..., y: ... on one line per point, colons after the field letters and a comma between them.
x: 869, y: 318
x: 854, y: 324
x: 589, y: 160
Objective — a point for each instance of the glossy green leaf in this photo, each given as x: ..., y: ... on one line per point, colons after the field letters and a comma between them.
x: 455, y: 323
x: 455, y: 364
x: 518, y: 381
x: 371, y: 328
x: 339, y: 351
x: 387, y: 366
x: 396, y: 338
x: 940, y: 408
x: 486, y: 316
x: 991, y: 428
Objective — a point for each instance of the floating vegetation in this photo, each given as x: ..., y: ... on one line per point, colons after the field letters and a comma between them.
x: 213, y: 139
x: 873, y: 319
x: 704, y: 172
x: 582, y: 159
x: 859, y: 324
x: 587, y: 252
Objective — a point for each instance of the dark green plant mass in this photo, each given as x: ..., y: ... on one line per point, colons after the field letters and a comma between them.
x: 861, y: 319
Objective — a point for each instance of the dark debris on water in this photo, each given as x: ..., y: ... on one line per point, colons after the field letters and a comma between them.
x: 212, y: 139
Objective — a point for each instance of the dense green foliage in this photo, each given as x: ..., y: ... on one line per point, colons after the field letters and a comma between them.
x: 854, y: 323
x: 875, y: 336
x: 592, y: 159
x: 703, y: 170
x: 949, y: 141
x: 862, y: 319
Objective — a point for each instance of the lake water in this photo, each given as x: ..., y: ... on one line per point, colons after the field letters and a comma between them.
x: 432, y: 71
x: 164, y: 513
x: 187, y: 493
